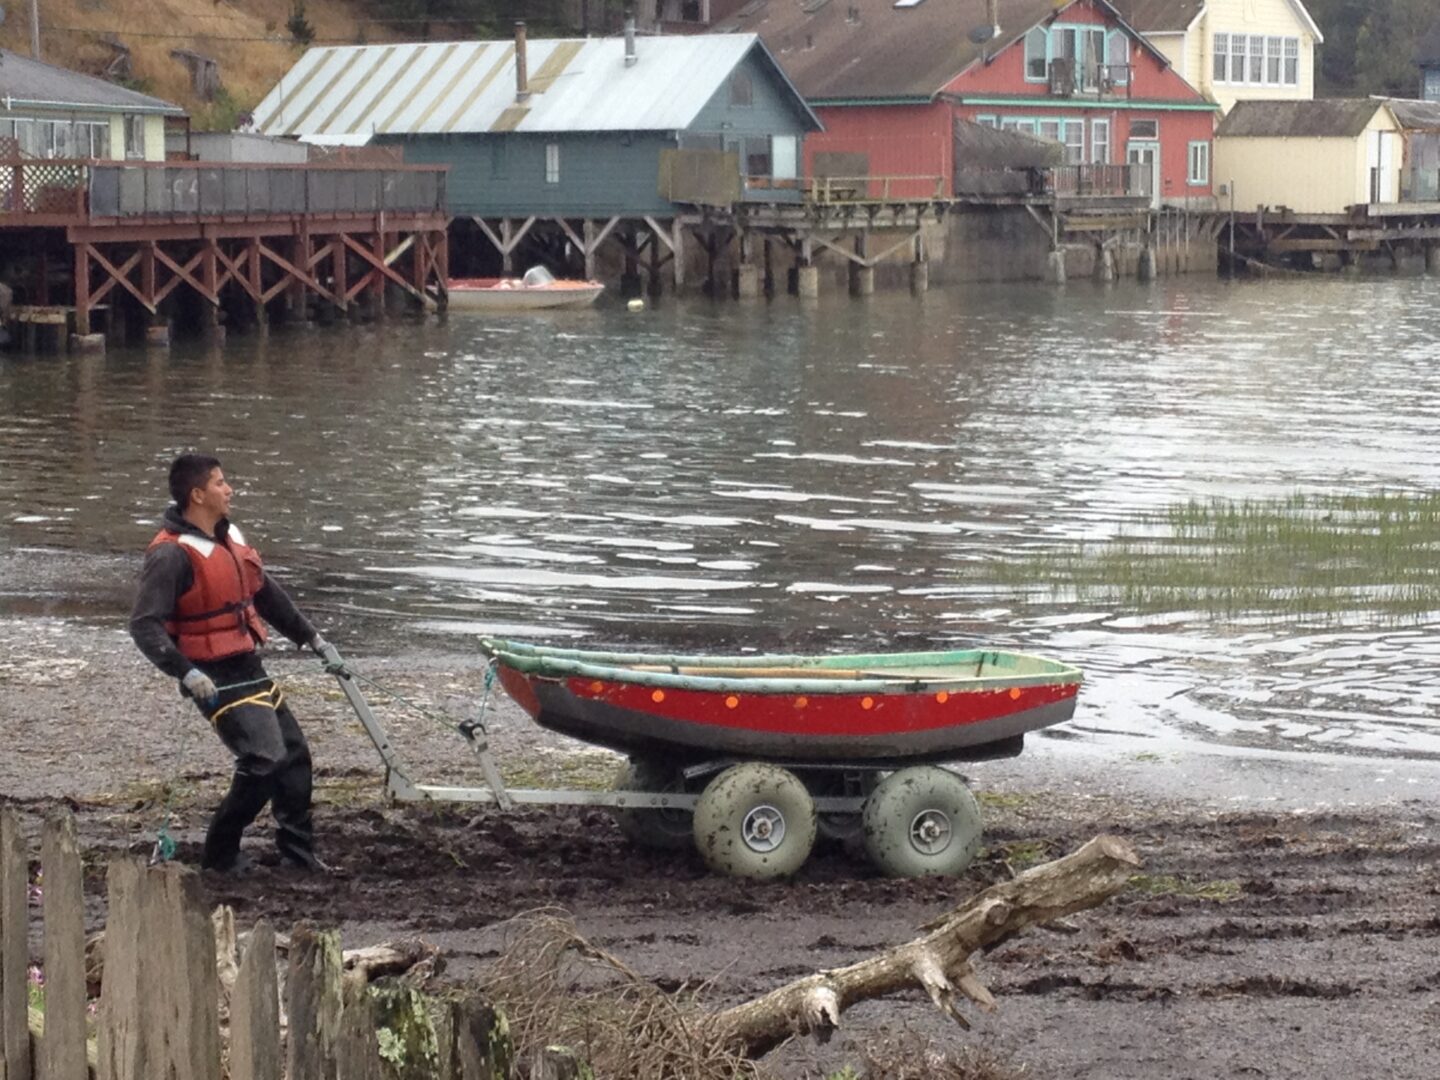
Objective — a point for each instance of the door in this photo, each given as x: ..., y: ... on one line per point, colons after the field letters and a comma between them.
x: 1145, y: 159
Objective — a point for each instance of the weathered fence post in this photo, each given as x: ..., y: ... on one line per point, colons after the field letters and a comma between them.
x: 313, y: 996
x: 122, y: 1000
x: 63, y: 1049
x: 15, y: 1063
x: 357, y: 1051
x: 481, y: 1041
x: 557, y: 1063
x: 255, y: 1011
x: 160, y: 1012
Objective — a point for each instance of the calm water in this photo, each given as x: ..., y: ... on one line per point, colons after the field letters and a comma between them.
x: 797, y: 478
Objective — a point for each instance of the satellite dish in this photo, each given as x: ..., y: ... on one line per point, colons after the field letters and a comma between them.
x: 981, y: 34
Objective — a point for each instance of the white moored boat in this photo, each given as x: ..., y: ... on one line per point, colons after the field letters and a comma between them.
x: 537, y: 289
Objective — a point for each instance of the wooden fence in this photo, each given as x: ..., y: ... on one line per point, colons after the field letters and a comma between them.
x: 171, y: 1006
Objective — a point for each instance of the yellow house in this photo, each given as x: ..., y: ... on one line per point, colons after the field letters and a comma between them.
x: 1310, y: 157
x: 52, y: 112
x: 1234, y: 50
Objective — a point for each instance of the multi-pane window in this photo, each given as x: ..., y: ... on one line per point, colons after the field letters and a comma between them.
x: 1117, y: 55
x: 1199, y: 171
x: 1036, y: 56
x: 57, y: 138
x: 552, y: 163
x: 134, y: 136
x: 1074, y: 142
x: 987, y: 121
x: 1238, y: 42
x: 1100, y: 141
x: 1256, y: 60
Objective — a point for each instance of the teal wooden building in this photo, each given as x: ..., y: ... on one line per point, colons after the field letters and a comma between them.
x: 593, y: 128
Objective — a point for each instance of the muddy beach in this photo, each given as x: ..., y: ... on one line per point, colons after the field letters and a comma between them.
x: 1277, y: 930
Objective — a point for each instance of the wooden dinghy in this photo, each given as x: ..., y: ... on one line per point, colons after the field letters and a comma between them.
x: 877, y: 711
x: 537, y: 289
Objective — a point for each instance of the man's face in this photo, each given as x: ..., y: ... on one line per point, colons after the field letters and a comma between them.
x: 214, y: 497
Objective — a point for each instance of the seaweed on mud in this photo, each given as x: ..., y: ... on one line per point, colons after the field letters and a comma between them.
x: 556, y: 988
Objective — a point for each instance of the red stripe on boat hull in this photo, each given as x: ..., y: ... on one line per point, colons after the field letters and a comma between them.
x: 924, y: 725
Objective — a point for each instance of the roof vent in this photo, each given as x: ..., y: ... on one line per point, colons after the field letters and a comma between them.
x: 522, y: 77
x: 631, y: 59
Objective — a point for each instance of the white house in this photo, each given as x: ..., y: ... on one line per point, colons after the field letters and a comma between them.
x: 1234, y: 50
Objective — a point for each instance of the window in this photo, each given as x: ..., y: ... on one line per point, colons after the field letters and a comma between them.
x: 742, y: 90
x: 1222, y: 58
x: 1100, y: 142
x: 785, y: 155
x: 1144, y: 129
x: 552, y: 163
x: 1018, y: 123
x: 1237, y: 57
x: 1292, y: 61
x: 134, y: 137
x: 1199, y: 173
x: 1273, y: 47
x: 1257, y: 59
x: 1049, y: 129
x: 1036, y: 43
x: 1117, y: 56
x: 757, y: 155
x: 1074, y: 142
x: 983, y: 121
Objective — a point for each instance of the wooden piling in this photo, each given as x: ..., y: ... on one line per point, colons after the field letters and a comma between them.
x: 120, y: 1036
x: 357, y: 1050
x: 15, y: 1062
x: 255, y: 1011
x: 63, y: 1050
x: 481, y: 1041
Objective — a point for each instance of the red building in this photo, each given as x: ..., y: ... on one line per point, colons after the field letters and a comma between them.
x: 889, y: 78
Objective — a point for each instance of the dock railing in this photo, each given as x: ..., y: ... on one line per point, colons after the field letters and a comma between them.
x: 1096, y: 181
x: 830, y: 190
x: 36, y: 191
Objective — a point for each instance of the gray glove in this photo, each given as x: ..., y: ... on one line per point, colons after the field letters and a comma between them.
x: 328, y: 653
x: 200, y: 686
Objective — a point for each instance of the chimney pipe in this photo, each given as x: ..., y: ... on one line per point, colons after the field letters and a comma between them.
x: 994, y: 18
x: 630, y: 58
x: 522, y: 76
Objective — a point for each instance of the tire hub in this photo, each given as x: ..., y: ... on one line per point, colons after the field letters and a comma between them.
x: 763, y: 829
x: 930, y: 832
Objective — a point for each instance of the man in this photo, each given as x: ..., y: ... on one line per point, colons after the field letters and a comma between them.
x: 203, y: 592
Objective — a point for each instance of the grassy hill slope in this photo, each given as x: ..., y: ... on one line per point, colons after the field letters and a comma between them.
x: 248, y: 38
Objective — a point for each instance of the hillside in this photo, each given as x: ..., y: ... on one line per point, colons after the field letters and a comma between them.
x: 248, y: 38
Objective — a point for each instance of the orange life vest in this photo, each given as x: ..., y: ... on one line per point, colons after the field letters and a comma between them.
x: 216, y: 616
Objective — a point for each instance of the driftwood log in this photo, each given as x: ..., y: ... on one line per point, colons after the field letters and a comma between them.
x: 939, y: 962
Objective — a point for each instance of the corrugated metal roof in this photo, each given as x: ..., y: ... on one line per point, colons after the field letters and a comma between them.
x: 25, y: 81
x: 1325, y: 118
x: 435, y: 88
x: 1415, y: 115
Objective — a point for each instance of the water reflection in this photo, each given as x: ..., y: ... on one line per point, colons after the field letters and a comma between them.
x: 802, y: 477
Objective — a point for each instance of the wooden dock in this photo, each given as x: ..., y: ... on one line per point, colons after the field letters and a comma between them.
x: 214, y: 242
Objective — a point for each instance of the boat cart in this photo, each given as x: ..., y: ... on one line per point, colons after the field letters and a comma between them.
x: 749, y: 818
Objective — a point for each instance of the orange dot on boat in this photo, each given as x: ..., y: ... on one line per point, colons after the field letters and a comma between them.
x: 867, y: 703
x: 942, y: 697
x: 1014, y: 693
x: 801, y: 702
x: 731, y: 701
x: 596, y: 687
x: 657, y: 696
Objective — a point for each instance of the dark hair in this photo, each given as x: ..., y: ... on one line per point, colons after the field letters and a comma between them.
x: 188, y: 472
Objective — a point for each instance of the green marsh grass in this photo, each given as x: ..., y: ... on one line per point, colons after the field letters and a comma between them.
x: 1302, y: 556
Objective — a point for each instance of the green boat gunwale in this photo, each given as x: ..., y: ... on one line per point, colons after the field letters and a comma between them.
x: 558, y: 663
